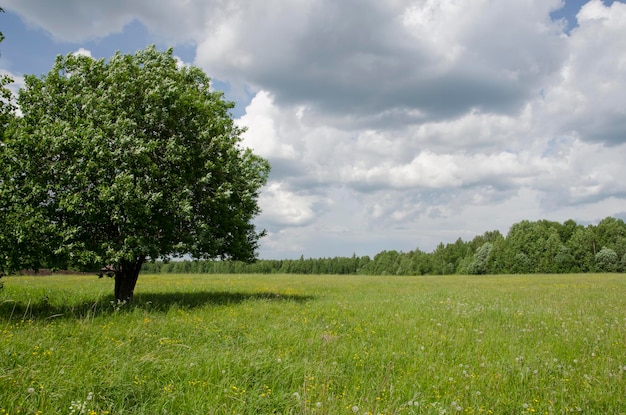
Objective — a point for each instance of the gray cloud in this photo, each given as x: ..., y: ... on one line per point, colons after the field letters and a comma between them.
x: 372, y: 59
x: 586, y: 95
x: 80, y: 20
x: 400, y: 124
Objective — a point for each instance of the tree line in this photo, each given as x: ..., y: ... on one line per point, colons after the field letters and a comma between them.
x: 529, y: 247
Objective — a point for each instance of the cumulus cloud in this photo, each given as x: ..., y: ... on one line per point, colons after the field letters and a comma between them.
x: 580, y: 172
x: 586, y: 97
x: 83, y: 52
x: 263, y: 118
x: 80, y: 20
x: 283, y: 207
x: 441, y: 171
x: 393, y: 125
x: 481, y: 167
x: 373, y: 62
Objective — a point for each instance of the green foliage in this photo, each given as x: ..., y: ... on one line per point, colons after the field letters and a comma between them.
x: 7, y: 101
x: 521, y: 264
x: 564, y: 260
x: 127, y: 159
x: 606, y: 260
x: 528, y: 247
x: 7, y: 106
x: 337, y: 265
x: 583, y: 246
x: 480, y: 261
x: 384, y: 263
x: 7, y: 116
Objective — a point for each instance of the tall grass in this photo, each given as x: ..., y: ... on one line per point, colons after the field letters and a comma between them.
x: 193, y: 344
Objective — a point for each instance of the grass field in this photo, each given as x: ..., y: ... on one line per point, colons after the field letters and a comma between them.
x: 199, y: 344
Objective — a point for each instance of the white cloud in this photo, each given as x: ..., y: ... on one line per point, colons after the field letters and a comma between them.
x: 593, y: 10
x: 80, y: 20
x: 393, y: 125
x: 581, y: 173
x: 72, y: 20
x: 588, y: 93
x: 264, y: 135
x: 286, y: 208
x: 403, y: 61
x: 83, y: 52
x: 477, y: 130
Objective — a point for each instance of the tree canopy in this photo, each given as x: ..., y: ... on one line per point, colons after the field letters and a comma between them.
x: 117, y: 161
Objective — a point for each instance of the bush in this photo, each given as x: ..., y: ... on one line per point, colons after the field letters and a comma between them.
x: 479, y: 264
x: 606, y: 260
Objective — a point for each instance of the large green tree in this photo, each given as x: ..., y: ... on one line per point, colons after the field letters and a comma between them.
x: 606, y: 260
x: 115, y: 162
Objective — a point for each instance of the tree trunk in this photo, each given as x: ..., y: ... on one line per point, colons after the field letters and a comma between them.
x: 126, y: 275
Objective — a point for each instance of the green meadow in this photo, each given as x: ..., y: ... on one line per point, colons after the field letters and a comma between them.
x: 288, y: 344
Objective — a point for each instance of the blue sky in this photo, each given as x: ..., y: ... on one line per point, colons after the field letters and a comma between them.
x: 393, y: 125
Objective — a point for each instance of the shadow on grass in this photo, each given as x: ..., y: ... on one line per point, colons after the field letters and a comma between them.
x: 156, y: 302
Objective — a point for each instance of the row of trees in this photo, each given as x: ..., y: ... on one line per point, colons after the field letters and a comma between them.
x: 337, y: 265
x: 529, y: 247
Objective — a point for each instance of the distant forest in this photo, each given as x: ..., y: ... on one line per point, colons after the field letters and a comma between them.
x: 529, y: 247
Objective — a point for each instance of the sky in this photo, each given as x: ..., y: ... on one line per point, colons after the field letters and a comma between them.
x: 389, y: 125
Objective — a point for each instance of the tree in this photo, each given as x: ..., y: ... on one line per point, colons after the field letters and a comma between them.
x: 583, y: 246
x: 480, y: 261
x: 611, y: 233
x: 539, y: 242
x: 519, y: 255
x: 121, y: 161
x: 564, y: 260
x: 606, y: 260
x: 521, y: 264
x: 550, y: 248
x: 567, y: 230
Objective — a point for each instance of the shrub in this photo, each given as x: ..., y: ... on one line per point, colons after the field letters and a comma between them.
x: 606, y: 260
